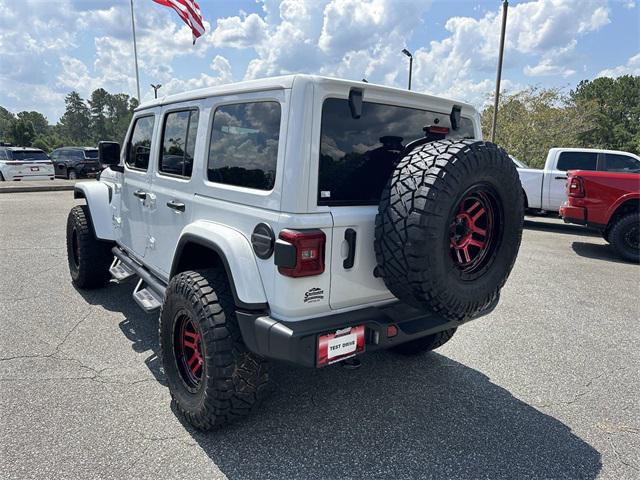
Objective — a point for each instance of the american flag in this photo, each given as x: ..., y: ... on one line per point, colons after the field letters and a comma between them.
x: 189, y: 12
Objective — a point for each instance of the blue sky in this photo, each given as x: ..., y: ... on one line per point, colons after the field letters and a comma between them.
x: 48, y: 48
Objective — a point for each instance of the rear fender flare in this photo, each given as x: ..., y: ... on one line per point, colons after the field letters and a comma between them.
x: 98, y: 198
x: 236, y: 255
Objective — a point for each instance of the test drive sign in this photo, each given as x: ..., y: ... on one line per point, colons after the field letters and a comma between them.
x: 340, y: 345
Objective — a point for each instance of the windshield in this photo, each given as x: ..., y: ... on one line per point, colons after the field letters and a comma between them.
x: 29, y: 155
x: 91, y: 154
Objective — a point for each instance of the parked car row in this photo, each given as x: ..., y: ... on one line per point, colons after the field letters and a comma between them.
x: 25, y: 163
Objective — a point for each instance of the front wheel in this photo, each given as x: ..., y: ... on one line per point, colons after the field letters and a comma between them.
x: 212, y: 376
x: 624, y: 237
x: 89, y: 258
x: 72, y: 175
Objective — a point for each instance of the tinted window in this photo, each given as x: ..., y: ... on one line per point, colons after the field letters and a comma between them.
x: 91, y: 154
x: 244, y: 145
x: 577, y: 161
x: 29, y: 155
x: 178, y: 142
x: 3, y: 154
x: 140, y: 143
x: 357, y: 156
x: 77, y: 154
x: 621, y: 163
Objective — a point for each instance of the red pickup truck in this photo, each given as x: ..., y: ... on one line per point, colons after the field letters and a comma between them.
x: 609, y: 202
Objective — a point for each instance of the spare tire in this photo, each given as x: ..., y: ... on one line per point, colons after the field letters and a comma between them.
x: 449, y: 226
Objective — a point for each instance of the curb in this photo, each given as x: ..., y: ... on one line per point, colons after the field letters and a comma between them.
x: 32, y: 188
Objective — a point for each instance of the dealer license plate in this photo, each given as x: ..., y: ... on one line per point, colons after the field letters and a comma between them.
x: 340, y: 345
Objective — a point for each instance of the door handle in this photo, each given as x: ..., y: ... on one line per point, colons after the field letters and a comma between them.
x: 350, y: 237
x: 177, y: 206
x: 561, y: 178
x: 141, y: 194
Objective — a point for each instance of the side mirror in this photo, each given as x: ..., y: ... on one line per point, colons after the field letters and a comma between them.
x: 109, y: 153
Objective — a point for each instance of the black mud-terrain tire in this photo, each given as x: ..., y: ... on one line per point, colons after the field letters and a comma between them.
x: 623, y: 237
x: 232, y: 380
x: 422, y: 215
x: 425, y: 344
x: 89, y: 258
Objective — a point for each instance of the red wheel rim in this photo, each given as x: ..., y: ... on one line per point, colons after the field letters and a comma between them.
x: 188, y: 349
x: 473, y: 229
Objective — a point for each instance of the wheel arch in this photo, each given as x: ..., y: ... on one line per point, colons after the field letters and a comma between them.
x: 622, y: 207
x: 211, y: 246
x: 98, y: 198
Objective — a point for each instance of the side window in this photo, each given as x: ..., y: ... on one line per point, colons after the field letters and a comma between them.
x: 139, y: 146
x: 77, y: 155
x: 178, y: 143
x: 621, y: 163
x: 577, y: 161
x: 3, y: 154
x: 244, y: 145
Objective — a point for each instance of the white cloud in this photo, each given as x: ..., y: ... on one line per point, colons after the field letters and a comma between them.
x: 632, y: 67
x: 220, y: 65
x: 238, y: 32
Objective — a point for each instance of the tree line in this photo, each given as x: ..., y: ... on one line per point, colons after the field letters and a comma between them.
x: 103, y: 116
x: 600, y: 113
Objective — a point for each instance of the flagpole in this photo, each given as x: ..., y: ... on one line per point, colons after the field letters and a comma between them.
x: 135, y: 50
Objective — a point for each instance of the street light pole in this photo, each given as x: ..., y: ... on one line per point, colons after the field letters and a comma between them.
x: 408, y: 54
x: 505, y: 6
x: 155, y: 89
x: 135, y: 50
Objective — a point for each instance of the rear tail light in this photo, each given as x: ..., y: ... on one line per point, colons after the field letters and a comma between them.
x: 300, y: 253
x: 575, y: 187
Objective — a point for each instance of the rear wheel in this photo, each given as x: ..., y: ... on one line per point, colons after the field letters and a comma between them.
x: 425, y: 344
x: 71, y: 174
x: 89, y: 258
x: 212, y: 376
x: 624, y: 236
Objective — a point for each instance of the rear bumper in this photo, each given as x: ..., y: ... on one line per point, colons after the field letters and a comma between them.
x: 296, y: 342
x: 571, y: 214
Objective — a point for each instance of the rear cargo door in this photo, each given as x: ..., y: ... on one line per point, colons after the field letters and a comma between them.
x: 353, y: 259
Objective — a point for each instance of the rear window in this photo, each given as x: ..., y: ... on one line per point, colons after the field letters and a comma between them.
x: 621, y: 163
x: 358, y: 155
x: 91, y: 154
x: 244, y: 145
x: 29, y: 155
x: 577, y: 161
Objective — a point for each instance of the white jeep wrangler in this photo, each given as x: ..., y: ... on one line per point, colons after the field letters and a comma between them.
x: 299, y: 218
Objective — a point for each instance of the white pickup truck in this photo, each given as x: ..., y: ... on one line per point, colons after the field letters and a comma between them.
x: 546, y: 189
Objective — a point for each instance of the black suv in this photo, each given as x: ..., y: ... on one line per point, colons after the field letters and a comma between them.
x: 75, y: 162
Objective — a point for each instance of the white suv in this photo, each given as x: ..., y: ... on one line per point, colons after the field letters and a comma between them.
x: 299, y: 218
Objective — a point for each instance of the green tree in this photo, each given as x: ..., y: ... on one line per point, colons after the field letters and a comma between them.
x: 76, y: 120
x: 532, y: 121
x: 120, y: 110
x: 21, y: 133
x: 615, y: 103
x: 98, y: 106
x: 6, y: 119
x: 38, y: 120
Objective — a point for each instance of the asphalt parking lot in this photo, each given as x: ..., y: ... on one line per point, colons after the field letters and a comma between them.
x: 547, y: 386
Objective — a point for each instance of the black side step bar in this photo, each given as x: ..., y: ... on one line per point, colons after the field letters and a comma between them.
x: 147, y: 277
